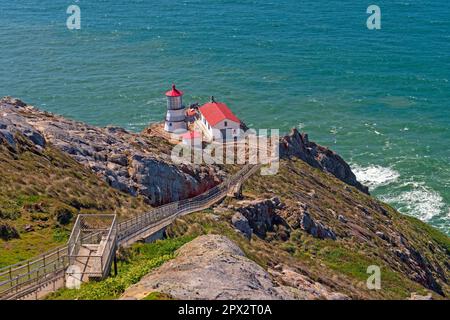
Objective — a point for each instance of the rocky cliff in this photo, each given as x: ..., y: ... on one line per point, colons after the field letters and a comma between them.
x: 139, y: 163
x: 131, y: 163
x: 297, y: 144
x: 309, y: 232
x: 227, y: 274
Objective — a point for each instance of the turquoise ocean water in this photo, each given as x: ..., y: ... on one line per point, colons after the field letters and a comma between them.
x: 380, y: 98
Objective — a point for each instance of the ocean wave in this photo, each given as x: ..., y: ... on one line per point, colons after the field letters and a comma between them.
x: 375, y: 176
x: 421, y: 202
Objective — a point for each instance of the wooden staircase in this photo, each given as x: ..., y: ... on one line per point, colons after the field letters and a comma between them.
x: 95, y: 239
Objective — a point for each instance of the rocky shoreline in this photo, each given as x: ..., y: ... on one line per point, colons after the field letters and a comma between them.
x: 140, y: 164
x: 314, y: 207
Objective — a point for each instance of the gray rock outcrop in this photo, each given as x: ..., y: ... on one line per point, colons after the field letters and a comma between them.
x: 315, y: 228
x: 415, y: 296
x: 126, y: 161
x: 302, y: 287
x: 210, y: 267
x: 297, y: 144
x: 241, y: 224
x: 262, y: 214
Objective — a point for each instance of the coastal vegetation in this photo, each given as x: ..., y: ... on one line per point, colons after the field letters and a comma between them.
x: 133, y: 263
x: 340, y: 264
x: 311, y: 225
x: 41, y: 192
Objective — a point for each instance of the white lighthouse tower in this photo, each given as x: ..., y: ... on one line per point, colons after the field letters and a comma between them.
x: 176, y: 116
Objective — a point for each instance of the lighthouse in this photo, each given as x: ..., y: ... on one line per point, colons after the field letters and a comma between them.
x: 176, y: 116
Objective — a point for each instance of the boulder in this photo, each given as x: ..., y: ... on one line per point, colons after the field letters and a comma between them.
x: 241, y: 223
x: 36, y: 137
x: 262, y: 214
x: 415, y: 296
x: 342, y: 219
x: 8, y: 137
x: 315, y: 229
x: 382, y: 235
x: 28, y: 228
x: 211, y: 267
x: 302, y: 286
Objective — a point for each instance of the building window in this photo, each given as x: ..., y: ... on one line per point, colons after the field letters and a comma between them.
x: 170, y: 124
x: 209, y: 127
x: 225, y: 123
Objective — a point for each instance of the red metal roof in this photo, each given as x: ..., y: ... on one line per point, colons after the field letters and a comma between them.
x: 191, y: 135
x: 174, y: 92
x: 214, y: 112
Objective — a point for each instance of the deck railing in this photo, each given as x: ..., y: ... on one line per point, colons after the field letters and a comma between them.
x: 99, y: 230
x: 19, y: 280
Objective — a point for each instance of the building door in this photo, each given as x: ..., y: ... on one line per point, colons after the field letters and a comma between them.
x: 224, y: 133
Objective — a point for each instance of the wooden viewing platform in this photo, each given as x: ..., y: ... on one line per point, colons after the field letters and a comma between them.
x: 92, y: 246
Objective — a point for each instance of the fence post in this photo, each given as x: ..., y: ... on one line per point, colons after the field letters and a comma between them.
x: 115, y: 264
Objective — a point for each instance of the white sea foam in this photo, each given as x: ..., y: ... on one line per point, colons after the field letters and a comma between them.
x: 375, y: 176
x: 421, y: 201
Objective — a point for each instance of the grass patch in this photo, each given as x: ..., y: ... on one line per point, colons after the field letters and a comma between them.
x: 42, y: 192
x: 422, y: 228
x: 352, y: 261
x: 61, y: 235
x: 135, y: 263
x: 158, y: 296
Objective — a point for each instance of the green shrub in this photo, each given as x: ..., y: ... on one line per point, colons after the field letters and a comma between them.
x: 289, y: 247
x: 85, y: 202
x: 140, y: 260
x: 39, y: 216
x: 9, y: 209
x: 8, y: 232
x: 9, y: 213
x: 61, y: 235
x: 63, y: 214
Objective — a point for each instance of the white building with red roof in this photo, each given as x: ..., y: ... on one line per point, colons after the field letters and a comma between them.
x: 218, y: 121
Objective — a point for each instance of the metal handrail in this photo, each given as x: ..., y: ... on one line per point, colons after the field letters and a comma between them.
x: 128, y: 229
